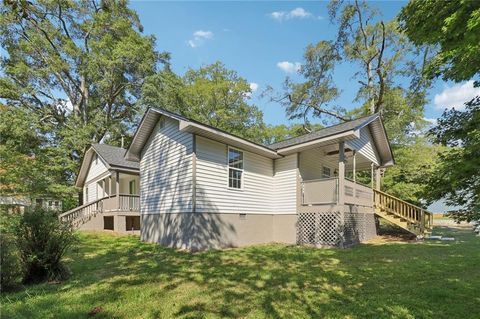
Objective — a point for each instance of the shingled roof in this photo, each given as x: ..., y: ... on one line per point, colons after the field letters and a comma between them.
x: 325, y: 132
x: 114, y: 156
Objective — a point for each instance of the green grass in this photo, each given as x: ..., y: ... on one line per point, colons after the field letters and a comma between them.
x: 125, y: 278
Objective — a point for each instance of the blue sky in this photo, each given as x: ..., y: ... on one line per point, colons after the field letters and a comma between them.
x: 254, y: 38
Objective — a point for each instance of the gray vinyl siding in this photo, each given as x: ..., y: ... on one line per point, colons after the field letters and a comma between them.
x: 166, y: 170
x: 365, y: 146
x: 312, y: 163
x: 285, y: 185
x: 213, y: 193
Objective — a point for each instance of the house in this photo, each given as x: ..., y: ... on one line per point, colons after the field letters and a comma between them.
x: 110, y: 186
x: 20, y: 203
x: 201, y: 187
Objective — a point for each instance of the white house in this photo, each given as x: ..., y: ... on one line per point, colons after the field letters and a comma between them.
x: 110, y: 184
x: 201, y: 187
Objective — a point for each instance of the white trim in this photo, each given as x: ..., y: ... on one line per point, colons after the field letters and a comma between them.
x: 295, y: 148
x: 242, y: 170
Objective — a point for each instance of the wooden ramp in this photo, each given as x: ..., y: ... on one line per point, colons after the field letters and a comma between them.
x: 412, y: 218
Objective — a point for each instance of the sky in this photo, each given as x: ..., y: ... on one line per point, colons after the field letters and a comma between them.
x: 264, y: 42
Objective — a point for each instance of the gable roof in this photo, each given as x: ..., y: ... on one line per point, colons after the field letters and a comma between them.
x: 152, y: 115
x: 341, y: 132
x: 325, y: 132
x: 112, y: 156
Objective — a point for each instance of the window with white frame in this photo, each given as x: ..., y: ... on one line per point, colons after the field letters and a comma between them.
x: 326, y: 172
x: 235, y: 168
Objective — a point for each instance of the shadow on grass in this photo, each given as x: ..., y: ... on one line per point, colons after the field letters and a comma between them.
x: 127, y: 279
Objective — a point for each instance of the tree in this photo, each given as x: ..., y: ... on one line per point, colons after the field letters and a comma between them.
x: 457, y: 177
x: 276, y: 133
x: 212, y: 95
x: 453, y: 28
x: 415, y: 162
x: 385, y: 60
x: 79, y: 66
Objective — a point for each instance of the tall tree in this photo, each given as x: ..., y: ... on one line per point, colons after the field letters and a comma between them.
x: 385, y: 61
x: 457, y: 177
x: 453, y: 29
x: 80, y: 66
x: 212, y: 94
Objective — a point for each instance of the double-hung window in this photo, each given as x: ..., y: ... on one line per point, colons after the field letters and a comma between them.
x: 235, y: 168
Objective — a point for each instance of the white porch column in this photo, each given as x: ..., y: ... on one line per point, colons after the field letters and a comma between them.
x: 354, y: 166
x: 378, y: 177
x: 118, y: 189
x: 341, y: 173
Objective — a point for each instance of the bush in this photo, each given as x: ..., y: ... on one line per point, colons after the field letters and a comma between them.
x: 11, y: 274
x: 43, y: 241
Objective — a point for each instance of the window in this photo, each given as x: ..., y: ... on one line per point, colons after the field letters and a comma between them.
x: 95, y: 158
x: 235, y: 168
x: 326, y: 172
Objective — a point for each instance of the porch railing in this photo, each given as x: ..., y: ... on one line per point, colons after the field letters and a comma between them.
x: 123, y: 203
x: 129, y: 202
x: 83, y: 212
x: 359, y: 194
x: 320, y: 191
x: 409, y: 212
x: 325, y: 191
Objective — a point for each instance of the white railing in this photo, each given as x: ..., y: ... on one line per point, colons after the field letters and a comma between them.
x: 325, y: 191
x: 129, y: 202
x: 81, y: 214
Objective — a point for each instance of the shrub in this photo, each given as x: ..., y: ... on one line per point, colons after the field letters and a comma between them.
x: 11, y: 273
x: 43, y: 241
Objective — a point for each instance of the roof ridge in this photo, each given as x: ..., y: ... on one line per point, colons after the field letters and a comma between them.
x: 324, y: 128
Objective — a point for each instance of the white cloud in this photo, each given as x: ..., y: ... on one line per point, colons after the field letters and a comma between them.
x: 297, y: 13
x: 289, y: 67
x: 456, y: 96
x: 199, y: 37
x: 253, y: 88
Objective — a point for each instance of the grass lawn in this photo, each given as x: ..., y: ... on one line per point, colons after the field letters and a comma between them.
x: 121, y: 277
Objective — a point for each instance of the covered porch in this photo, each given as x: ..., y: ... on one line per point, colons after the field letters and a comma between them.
x: 119, y: 191
x: 337, y: 174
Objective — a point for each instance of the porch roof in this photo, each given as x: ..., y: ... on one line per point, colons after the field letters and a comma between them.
x: 325, y: 132
x: 112, y: 156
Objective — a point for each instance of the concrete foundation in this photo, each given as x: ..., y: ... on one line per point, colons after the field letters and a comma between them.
x: 199, y: 231
x: 119, y: 222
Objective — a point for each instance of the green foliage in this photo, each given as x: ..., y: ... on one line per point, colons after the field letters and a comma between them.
x: 312, y: 97
x: 28, y: 165
x: 454, y: 28
x: 212, y: 95
x: 10, y: 263
x: 457, y: 178
x: 408, y: 179
x: 75, y: 68
x: 43, y: 242
x: 276, y: 133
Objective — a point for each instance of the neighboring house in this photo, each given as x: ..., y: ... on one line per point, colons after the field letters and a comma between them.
x: 110, y: 186
x: 15, y: 204
x: 48, y: 203
x: 20, y: 203
x: 201, y: 187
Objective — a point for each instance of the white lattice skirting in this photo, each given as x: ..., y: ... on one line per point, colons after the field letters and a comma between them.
x: 334, y: 228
